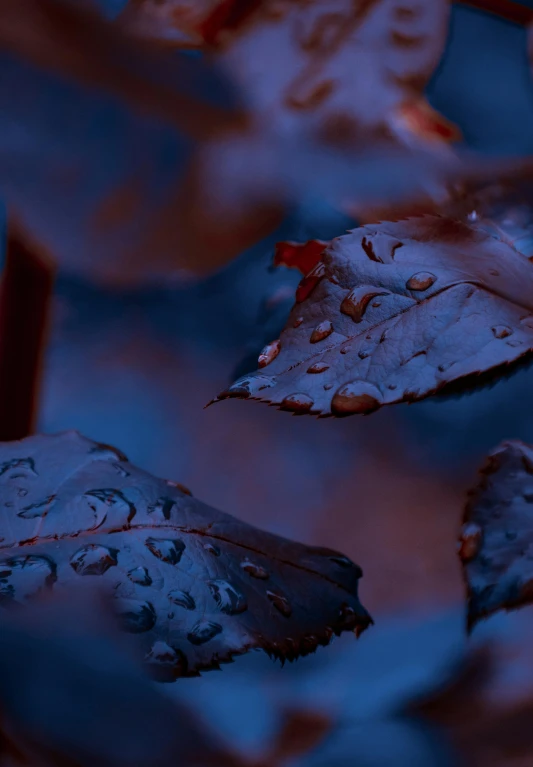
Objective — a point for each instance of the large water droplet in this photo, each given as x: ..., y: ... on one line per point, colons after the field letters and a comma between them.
x: 470, y: 541
x: 181, y: 487
x: 356, y: 302
x: 162, y: 508
x: 168, y: 550
x: 501, y: 331
x: 318, y: 367
x: 182, y: 599
x: 297, y: 403
x: 248, y: 386
x: 93, y: 559
x: 21, y: 578
x: 297, y: 322
x: 21, y: 465
x: 323, y: 330
x: 269, y: 353
x: 356, y: 397
x: 255, y: 571
x: 38, y: 509
x: 309, y: 282
x: 212, y: 549
x: 281, y: 603
x: 107, y: 452
x: 136, y: 617
x: 228, y: 599
x: 140, y: 575
x: 165, y: 663
x: 420, y: 281
x: 347, y: 618
x: 203, y: 631
x: 110, y: 498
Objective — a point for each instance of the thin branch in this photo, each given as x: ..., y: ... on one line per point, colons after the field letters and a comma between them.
x: 25, y: 291
x: 505, y: 9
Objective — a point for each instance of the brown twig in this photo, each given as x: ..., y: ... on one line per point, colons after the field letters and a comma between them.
x: 25, y: 292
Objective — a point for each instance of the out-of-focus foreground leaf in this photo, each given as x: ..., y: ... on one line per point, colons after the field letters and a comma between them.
x: 130, y: 164
x: 73, y: 694
x: 197, y: 585
x: 396, y: 312
x: 338, y: 68
x: 497, y: 534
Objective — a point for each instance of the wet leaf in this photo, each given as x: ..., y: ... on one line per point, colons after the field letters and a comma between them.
x: 497, y: 532
x: 203, y: 583
x: 72, y: 692
x: 396, y: 312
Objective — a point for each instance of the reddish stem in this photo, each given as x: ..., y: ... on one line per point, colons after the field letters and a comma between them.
x: 25, y: 291
x: 506, y: 9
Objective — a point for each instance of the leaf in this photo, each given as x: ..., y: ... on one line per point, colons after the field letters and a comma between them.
x: 73, y: 693
x: 341, y: 68
x: 303, y: 256
x: 196, y: 585
x: 396, y: 312
x: 497, y: 532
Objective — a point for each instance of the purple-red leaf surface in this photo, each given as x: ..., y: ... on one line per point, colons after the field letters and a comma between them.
x: 396, y: 312
x: 196, y: 585
x: 496, y: 544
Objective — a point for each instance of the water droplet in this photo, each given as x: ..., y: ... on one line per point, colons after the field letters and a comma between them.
x: 228, y: 599
x: 101, y: 450
x: 140, y: 576
x: 513, y: 344
x: 328, y: 386
x: 256, y: 571
x: 248, y: 386
x: 281, y: 604
x: 203, y: 631
x: 136, y: 617
x: 212, y: 549
x: 310, y: 94
x: 21, y: 578
x: 356, y: 302
x: 501, y: 331
x: 297, y: 403
x: 309, y: 282
x: 473, y: 216
x: 182, y: 599
x: 22, y: 492
x: 347, y: 618
x: 420, y: 281
x: 297, y: 322
x: 392, y: 386
x: 121, y: 471
x: 164, y: 663
x: 22, y: 465
x: 93, y: 559
x: 346, y: 349
x: 469, y: 541
x: 167, y: 549
x: 269, y: 353
x: 162, y: 508
x: 494, y: 272
x: 110, y: 498
x: 356, y: 397
x: 323, y: 330
x: 364, y: 353
x: 318, y: 367
x: 38, y: 509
